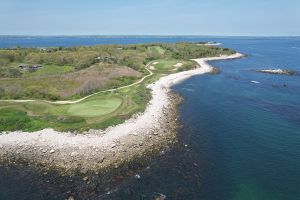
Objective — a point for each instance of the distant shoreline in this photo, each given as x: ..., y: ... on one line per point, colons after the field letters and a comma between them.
x: 149, y: 132
x: 163, y: 36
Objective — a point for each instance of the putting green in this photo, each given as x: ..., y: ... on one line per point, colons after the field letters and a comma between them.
x: 95, y: 107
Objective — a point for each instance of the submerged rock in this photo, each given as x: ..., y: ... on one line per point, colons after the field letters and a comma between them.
x: 215, y: 71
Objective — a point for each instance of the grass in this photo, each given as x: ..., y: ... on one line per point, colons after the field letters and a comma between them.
x: 157, y: 49
x: 165, y: 64
x: 99, y: 111
x: 69, y: 71
x: 169, y: 65
x: 12, y: 119
x: 94, y: 107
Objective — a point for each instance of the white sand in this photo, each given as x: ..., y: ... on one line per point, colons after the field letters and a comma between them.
x: 97, y: 139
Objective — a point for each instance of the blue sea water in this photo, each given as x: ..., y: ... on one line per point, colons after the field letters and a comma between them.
x: 239, y: 140
x: 44, y: 41
x: 249, y: 133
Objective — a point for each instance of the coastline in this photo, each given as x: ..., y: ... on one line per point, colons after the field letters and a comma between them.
x: 97, y: 150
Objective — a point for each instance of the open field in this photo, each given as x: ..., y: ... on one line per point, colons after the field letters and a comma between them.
x: 117, y: 66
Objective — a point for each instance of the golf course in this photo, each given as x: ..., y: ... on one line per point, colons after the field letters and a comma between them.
x: 106, y: 88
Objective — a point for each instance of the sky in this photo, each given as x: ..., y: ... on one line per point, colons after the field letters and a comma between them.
x: 150, y: 17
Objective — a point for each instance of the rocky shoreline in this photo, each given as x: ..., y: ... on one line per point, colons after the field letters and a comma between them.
x: 86, y: 159
x: 97, y: 151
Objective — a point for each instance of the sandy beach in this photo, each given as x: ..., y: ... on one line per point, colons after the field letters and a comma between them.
x: 151, y: 131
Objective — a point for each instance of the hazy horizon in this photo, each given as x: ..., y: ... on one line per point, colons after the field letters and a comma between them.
x: 154, y: 17
x: 145, y: 35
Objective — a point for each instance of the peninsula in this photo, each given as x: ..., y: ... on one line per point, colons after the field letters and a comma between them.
x: 93, y: 108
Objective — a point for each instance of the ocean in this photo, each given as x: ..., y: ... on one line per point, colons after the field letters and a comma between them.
x: 239, y: 139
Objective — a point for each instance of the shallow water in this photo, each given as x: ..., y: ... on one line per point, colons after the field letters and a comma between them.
x: 239, y: 140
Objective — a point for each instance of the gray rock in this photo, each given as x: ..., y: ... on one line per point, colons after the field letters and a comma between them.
x: 101, y: 159
x: 137, y: 176
x: 74, y: 153
x: 71, y: 198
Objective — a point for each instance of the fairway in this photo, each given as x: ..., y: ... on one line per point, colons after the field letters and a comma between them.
x: 93, y: 108
x: 170, y: 65
x: 166, y: 64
